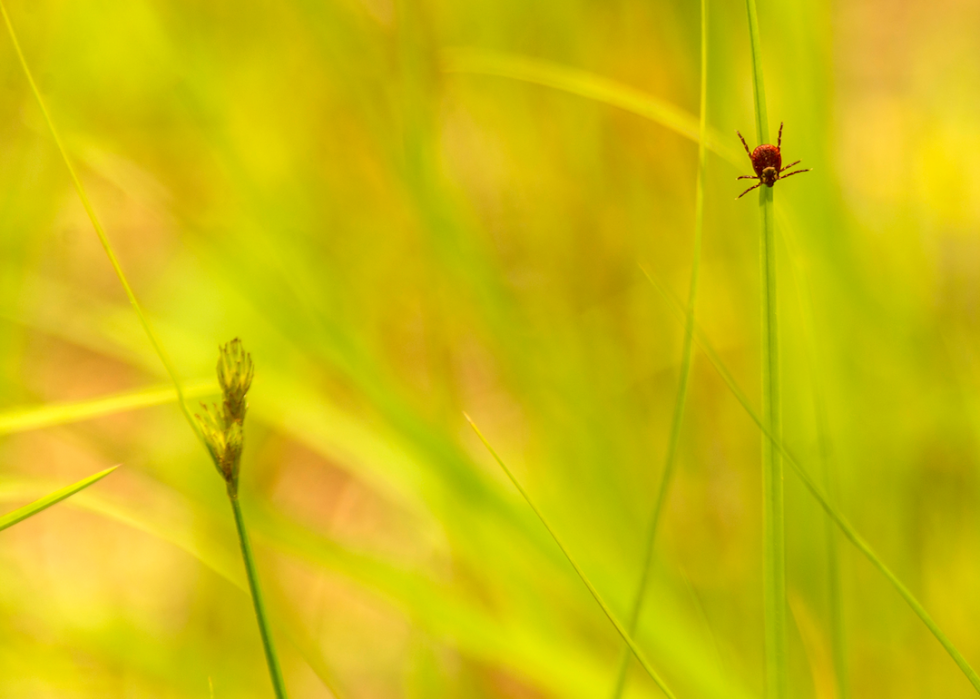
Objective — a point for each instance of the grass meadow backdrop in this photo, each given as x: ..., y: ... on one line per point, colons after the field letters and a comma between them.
x: 412, y: 209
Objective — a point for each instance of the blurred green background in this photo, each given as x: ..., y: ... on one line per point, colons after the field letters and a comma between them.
x: 396, y: 242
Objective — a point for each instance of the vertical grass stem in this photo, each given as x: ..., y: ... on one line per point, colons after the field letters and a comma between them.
x: 687, y: 353
x: 774, y: 547
x: 265, y: 631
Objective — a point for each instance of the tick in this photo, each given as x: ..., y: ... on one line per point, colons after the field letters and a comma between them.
x: 767, y: 162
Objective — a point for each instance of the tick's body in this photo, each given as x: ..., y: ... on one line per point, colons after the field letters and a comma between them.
x: 767, y: 161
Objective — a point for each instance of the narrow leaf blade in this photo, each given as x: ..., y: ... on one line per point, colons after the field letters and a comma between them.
x: 47, y: 501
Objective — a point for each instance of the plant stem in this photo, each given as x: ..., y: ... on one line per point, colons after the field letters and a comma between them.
x: 686, y: 355
x: 774, y: 575
x: 758, y: 84
x: 253, y: 583
x: 774, y: 535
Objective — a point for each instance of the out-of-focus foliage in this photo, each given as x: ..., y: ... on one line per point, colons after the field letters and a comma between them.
x: 397, y: 241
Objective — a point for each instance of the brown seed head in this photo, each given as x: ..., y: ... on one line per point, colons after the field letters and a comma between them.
x: 222, y: 428
x: 235, y: 371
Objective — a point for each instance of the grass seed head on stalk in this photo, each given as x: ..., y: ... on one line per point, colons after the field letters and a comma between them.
x: 235, y: 370
x: 222, y: 427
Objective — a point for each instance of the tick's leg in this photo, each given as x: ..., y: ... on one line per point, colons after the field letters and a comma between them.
x: 779, y: 143
x: 748, y: 190
x: 747, y: 177
x: 782, y: 177
x: 787, y: 167
x: 747, y: 151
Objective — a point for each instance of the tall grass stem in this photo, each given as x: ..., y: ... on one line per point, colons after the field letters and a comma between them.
x: 774, y: 531
x: 265, y: 631
x: 687, y: 353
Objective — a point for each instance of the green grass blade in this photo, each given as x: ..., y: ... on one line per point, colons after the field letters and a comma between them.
x: 52, y: 414
x: 774, y: 527
x: 100, y: 232
x: 774, y: 549
x: 811, y: 485
x: 626, y: 636
x: 758, y: 84
x: 590, y: 86
x: 54, y: 498
x: 252, y: 572
x: 687, y: 353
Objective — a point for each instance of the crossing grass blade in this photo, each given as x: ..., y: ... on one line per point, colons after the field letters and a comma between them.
x: 54, y: 498
x: 591, y: 86
x: 816, y: 491
x: 626, y: 636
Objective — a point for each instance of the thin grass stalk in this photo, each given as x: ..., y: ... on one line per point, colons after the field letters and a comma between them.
x: 825, y: 502
x: 774, y: 531
x: 158, y: 348
x: 687, y: 353
x: 99, y: 231
x: 624, y: 634
x: 258, y: 601
x: 19, y: 515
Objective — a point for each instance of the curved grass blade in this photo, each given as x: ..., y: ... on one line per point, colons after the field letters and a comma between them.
x: 833, y: 513
x: 273, y: 661
x: 99, y: 231
x: 595, y: 593
x: 590, y: 86
x: 54, y: 498
x: 687, y: 354
x: 52, y: 414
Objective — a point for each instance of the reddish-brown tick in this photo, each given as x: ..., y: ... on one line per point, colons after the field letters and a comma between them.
x: 767, y: 162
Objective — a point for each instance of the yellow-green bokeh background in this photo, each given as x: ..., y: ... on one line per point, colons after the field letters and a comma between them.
x: 397, y: 243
